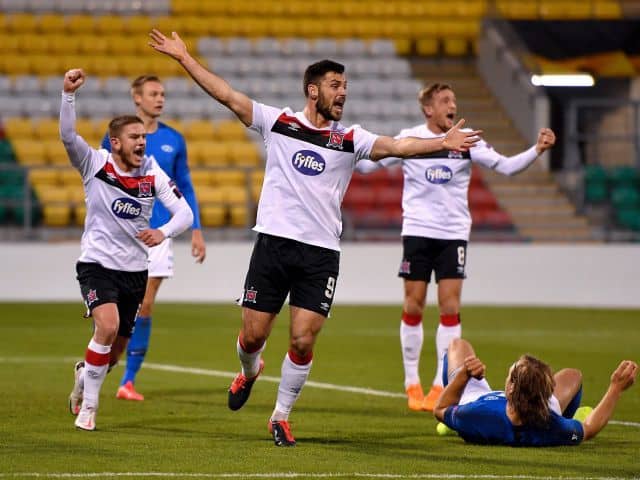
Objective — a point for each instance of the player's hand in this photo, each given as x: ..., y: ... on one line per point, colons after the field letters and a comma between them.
x: 198, y: 247
x: 546, y: 140
x: 474, y: 367
x: 174, y: 46
x: 73, y: 80
x: 455, y: 139
x: 625, y: 375
x: 151, y: 237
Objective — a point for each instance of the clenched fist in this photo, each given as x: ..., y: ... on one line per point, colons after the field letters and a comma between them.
x: 73, y: 80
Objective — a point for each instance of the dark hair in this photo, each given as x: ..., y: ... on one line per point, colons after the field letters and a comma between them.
x: 118, y: 123
x: 529, y: 387
x: 315, y: 72
x: 426, y: 94
x: 136, y: 85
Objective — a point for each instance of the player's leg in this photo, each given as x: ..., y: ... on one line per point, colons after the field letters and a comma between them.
x: 415, y: 269
x: 310, y: 301
x: 265, y: 289
x: 450, y: 272
x: 568, y: 390
x: 160, y: 267
x: 412, y: 338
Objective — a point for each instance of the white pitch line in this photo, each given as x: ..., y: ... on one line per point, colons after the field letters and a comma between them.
x: 223, y: 374
x: 432, y: 476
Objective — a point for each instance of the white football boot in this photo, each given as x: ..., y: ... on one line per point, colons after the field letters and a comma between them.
x: 75, y: 397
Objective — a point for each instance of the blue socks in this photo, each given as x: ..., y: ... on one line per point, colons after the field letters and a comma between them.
x: 570, y: 411
x: 137, y: 348
x: 445, y: 370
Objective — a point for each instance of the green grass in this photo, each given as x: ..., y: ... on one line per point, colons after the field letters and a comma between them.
x: 184, y: 427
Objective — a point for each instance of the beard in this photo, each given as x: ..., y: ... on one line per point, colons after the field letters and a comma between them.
x: 324, y: 108
x: 127, y: 158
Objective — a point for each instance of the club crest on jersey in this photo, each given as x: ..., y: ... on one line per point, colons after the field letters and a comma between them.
x: 335, y: 140
x: 250, y: 295
x: 92, y: 296
x: 144, y: 189
x: 126, y: 208
x: 308, y: 162
x: 405, y: 267
x: 438, y: 174
x: 456, y: 154
x: 166, y: 148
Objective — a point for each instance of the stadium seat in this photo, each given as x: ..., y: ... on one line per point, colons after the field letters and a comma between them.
x: 79, y: 214
x: 18, y: 128
x: 70, y: 177
x: 44, y: 176
x: 229, y: 177
x: 56, y: 215
x: 209, y: 153
x: 608, y: 9
x: 238, y: 216
x: 51, y: 23
x: 55, y: 152
x: 47, y: 129
x: 199, y: 130
x: 244, y: 154
x: 231, y: 130
x: 81, y: 24
x: 29, y: 153
x: 21, y: 23
x: 213, y: 215
x: 6, y: 152
x: 200, y: 178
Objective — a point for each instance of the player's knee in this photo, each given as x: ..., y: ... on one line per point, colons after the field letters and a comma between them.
x: 413, y: 306
x: 459, y: 345
x: 302, y: 345
x: 252, y: 341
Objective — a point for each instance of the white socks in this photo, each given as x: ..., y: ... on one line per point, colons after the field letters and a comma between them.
x: 444, y: 335
x: 96, y: 364
x: 250, y: 361
x: 293, y: 379
x: 411, y: 338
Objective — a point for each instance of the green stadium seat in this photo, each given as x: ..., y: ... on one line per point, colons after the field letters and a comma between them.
x: 624, y: 198
x: 629, y: 218
x: 624, y: 176
x: 596, y: 192
x: 6, y: 152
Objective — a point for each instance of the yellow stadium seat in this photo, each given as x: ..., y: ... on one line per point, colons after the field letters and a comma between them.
x: 518, y: 10
x: 230, y: 130
x: 340, y: 28
x: 228, y: 177
x: 79, y: 213
x: 46, y: 65
x: 52, y: 194
x: 84, y: 24
x: 33, y: 44
x: 422, y: 28
x: 21, y: 23
x: 251, y: 27
x: 209, y: 153
x: 193, y: 25
x: 183, y: 8
x: 256, y: 189
x: 209, y: 9
x: 121, y: 45
x: 427, y: 46
x: 15, y: 64
x: 55, y: 153
x: 213, y: 215
x: 18, y: 128
x: 455, y: 47
x: 56, y: 215
x: 162, y: 66
x: 103, y: 65
x: 10, y: 43
x: 60, y: 44
x: 111, y: 25
x: 47, y: 129
x: 40, y: 176
x: 76, y: 193
x: 92, y: 44
x: 562, y: 10
x: 257, y: 176
x: 29, y: 152
x: 244, y: 154
x: 282, y: 27
x: 210, y: 195
x: 200, y: 178
x: 199, y: 130
x: 85, y: 128
x: 139, y: 24
x: 607, y: 10
x: 239, y: 216
x: 50, y: 23
x: 70, y: 177
x: 235, y: 194
x: 170, y: 24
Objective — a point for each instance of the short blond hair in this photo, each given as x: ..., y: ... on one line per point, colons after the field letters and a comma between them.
x: 425, y: 95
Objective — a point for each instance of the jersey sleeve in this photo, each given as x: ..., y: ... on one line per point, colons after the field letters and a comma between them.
x: 183, y: 181
x: 264, y: 116
x: 485, y: 155
x: 169, y: 195
x: 82, y: 157
x: 363, y: 141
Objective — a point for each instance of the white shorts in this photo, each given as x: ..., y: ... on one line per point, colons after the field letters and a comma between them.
x: 161, y: 260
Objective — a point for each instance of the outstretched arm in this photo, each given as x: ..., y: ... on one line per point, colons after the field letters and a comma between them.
x: 76, y: 147
x: 517, y: 163
x: 452, y: 393
x: 622, y: 378
x: 211, y: 83
x: 406, y: 147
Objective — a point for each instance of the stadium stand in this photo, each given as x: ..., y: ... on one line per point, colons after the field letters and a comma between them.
x: 263, y: 52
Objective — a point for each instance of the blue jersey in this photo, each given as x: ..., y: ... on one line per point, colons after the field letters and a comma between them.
x: 485, y: 421
x: 167, y: 146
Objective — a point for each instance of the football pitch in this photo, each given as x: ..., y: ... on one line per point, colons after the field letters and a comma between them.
x: 351, y: 420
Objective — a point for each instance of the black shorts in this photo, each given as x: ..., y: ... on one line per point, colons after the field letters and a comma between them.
x: 100, y: 285
x: 280, y: 266
x: 422, y: 255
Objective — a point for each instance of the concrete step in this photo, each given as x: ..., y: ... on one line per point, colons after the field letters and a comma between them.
x: 538, y: 234
x: 551, y: 210
x: 515, y: 190
x: 522, y: 221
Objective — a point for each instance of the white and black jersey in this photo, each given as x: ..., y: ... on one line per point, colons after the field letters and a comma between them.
x: 435, y: 193
x: 118, y: 203
x: 306, y: 175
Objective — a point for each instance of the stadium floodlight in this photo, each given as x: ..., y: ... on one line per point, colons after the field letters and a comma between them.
x: 563, y: 80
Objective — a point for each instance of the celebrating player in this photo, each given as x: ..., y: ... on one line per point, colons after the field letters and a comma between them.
x: 435, y: 230
x: 120, y: 189
x: 310, y: 160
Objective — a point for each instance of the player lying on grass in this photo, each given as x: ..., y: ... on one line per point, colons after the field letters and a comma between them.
x: 535, y: 409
